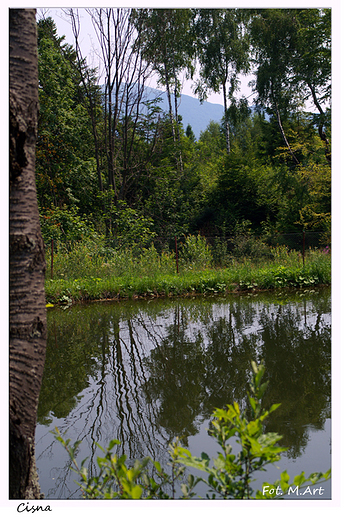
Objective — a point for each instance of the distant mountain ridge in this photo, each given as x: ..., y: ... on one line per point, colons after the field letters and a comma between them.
x: 197, y: 115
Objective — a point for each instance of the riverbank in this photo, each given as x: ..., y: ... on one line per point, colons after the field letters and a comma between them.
x: 241, y: 277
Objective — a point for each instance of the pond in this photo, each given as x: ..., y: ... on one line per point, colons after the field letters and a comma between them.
x: 146, y: 372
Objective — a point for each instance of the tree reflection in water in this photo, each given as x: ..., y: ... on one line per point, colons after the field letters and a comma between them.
x: 147, y: 372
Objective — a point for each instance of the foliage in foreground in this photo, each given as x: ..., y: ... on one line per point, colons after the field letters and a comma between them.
x: 229, y: 476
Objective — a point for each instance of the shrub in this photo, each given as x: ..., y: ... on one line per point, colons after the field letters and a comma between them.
x: 77, y: 259
x: 221, y: 256
x: 64, y: 225
x: 133, y: 230
x: 248, y: 246
x: 195, y: 253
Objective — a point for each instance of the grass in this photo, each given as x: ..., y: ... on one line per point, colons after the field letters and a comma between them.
x: 88, y: 273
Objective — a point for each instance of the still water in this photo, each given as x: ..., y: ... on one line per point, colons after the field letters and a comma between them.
x: 146, y: 372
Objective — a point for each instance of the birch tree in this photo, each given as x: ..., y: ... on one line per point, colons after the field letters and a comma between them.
x: 27, y: 259
x: 223, y: 53
x: 166, y: 43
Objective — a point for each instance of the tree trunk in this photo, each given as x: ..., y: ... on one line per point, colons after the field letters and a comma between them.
x: 227, y: 133
x: 27, y: 259
x: 178, y: 137
x: 170, y: 111
x: 88, y: 85
x: 281, y: 128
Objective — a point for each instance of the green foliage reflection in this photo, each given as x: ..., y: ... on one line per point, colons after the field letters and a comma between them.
x: 228, y: 475
x: 161, y: 367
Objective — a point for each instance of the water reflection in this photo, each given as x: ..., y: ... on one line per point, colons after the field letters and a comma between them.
x: 146, y: 372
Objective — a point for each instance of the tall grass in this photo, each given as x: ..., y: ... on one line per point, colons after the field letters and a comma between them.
x: 90, y: 259
x: 89, y: 270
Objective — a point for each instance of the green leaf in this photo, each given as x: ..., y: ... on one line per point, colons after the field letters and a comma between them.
x: 262, y: 390
x: 274, y: 407
x: 146, y: 479
x: 157, y: 466
x: 136, y: 492
x: 191, y: 480
x: 253, y: 402
x: 219, y: 463
x: 299, y: 479
x: 113, y: 442
x: 254, y: 367
x: 253, y: 427
x: 184, y: 489
x: 184, y: 451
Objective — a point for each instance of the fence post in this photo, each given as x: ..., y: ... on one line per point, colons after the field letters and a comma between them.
x: 176, y: 254
x: 51, y: 258
x: 303, y: 246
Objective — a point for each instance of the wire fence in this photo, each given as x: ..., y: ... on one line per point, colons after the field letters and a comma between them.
x: 251, y: 246
x: 299, y: 241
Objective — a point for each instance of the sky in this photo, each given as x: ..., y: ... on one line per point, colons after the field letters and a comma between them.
x: 88, y: 40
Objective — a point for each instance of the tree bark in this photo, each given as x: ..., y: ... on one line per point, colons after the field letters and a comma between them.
x: 27, y: 332
x: 170, y: 111
x: 227, y: 133
x: 178, y: 137
x: 282, y: 131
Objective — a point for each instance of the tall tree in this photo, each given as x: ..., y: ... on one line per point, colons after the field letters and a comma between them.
x: 91, y: 89
x: 65, y: 163
x: 125, y: 74
x: 27, y: 258
x: 293, y: 57
x: 274, y: 35
x: 312, y: 64
x: 223, y: 53
x: 166, y: 42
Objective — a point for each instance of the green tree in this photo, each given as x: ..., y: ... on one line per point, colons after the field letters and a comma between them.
x: 273, y: 34
x: 223, y: 53
x: 190, y: 133
x: 92, y: 93
x: 312, y: 65
x: 166, y: 44
x: 125, y: 74
x: 65, y: 164
x: 305, y: 191
x: 208, y: 156
x: 126, y: 135
x: 246, y: 191
x: 292, y: 53
x: 170, y: 197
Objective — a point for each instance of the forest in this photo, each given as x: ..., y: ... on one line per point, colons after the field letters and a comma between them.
x: 115, y: 169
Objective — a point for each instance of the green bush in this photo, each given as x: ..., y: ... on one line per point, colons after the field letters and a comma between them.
x: 195, y: 253
x: 248, y: 246
x: 228, y: 476
x: 64, y: 225
x: 132, y: 230
x: 221, y: 252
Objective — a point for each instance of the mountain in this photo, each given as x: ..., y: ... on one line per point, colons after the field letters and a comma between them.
x: 196, y: 114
